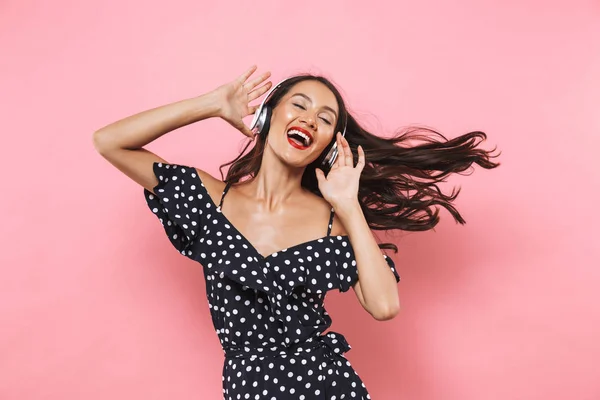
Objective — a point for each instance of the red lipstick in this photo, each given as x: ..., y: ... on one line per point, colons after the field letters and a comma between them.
x: 299, y: 145
x: 307, y: 133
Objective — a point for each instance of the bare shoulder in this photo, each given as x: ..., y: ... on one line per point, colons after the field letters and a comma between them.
x: 207, y: 178
x: 337, y: 228
x: 213, y: 185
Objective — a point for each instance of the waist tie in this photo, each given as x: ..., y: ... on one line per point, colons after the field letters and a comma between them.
x: 335, y: 342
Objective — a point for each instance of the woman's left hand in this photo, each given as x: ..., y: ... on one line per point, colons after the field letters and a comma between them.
x: 340, y: 187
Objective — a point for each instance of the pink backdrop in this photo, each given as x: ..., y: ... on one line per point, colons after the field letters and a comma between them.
x: 96, y: 304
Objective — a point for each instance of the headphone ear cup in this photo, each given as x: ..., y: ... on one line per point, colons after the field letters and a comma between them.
x: 334, y: 154
x: 330, y: 156
x: 264, y: 129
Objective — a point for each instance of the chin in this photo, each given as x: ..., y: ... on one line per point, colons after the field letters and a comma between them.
x: 294, y: 157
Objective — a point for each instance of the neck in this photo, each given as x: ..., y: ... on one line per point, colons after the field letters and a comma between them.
x: 275, y: 183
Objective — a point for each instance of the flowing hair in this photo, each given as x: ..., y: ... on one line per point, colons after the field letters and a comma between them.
x: 398, y: 185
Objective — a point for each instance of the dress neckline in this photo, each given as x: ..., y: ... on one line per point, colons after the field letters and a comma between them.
x: 245, y: 239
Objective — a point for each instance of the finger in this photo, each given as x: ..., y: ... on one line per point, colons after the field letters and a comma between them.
x: 252, y: 109
x: 245, y: 129
x: 320, y: 175
x: 256, y: 93
x: 347, y: 152
x: 257, y: 81
x: 341, y: 158
x: 361, y: 159
x: 246, y: 74
x: 248, y: 132
x: 336, y: 162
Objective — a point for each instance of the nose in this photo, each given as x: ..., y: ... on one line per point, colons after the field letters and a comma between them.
x: 309, y: 120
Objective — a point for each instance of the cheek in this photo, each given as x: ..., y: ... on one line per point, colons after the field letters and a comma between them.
x: 326, y: 130
x: 282, y: 117
x: 325, y: 143
x: 288, y: 115
x: 327, y: 135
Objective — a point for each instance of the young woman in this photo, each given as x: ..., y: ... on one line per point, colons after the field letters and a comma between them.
x: 291, y: 221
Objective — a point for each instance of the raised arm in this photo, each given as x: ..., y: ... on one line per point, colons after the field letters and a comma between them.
x: 121, y: 143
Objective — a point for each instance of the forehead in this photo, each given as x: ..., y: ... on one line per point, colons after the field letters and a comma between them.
x: 320, y: 94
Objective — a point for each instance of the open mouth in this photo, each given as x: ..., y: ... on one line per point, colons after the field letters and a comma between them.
x: 299, y: 138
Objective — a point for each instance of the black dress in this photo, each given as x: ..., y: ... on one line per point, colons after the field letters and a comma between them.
x: 267, y: 310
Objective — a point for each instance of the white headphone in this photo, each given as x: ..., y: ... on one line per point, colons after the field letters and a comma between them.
x: 262, y: 119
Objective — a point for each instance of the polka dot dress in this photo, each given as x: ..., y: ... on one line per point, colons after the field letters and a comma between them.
x: 267, y: 310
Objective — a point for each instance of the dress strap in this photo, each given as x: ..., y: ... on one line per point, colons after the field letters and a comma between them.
x: 227, y: 186
x: 330, y: 222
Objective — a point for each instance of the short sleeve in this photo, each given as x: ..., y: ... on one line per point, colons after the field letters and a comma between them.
x: 392, y: 266
x: 346, y: 268
x: 177, y: 202
x: 346, y: 272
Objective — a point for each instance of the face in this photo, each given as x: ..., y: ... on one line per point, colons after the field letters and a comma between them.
x: 303, y: 123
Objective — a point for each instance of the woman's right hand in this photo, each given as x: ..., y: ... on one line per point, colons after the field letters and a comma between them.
x: 234, y: 98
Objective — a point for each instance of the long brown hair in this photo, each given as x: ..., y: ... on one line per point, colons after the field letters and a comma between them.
x: 398, y: 185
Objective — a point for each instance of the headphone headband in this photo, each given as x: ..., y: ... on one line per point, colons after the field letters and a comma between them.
x: 262, y: 118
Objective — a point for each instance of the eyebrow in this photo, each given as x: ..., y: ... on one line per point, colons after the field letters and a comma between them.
x: 309, y: 99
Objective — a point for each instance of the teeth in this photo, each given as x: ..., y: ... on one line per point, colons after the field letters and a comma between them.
x: 307, y: 139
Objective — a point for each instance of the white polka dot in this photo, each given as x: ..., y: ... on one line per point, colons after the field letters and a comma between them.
x: 261, y: 304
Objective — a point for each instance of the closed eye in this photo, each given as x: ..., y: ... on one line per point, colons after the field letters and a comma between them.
x: 304, y: 108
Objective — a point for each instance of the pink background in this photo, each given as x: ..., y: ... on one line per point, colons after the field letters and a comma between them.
x: 96, y: 304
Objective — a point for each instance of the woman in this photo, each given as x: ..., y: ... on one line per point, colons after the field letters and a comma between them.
x: 289, y: 223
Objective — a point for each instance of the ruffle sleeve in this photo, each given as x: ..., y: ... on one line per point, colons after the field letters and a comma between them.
x: 347, y: 271
x: 177, y: 202
x: 392, y: 266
